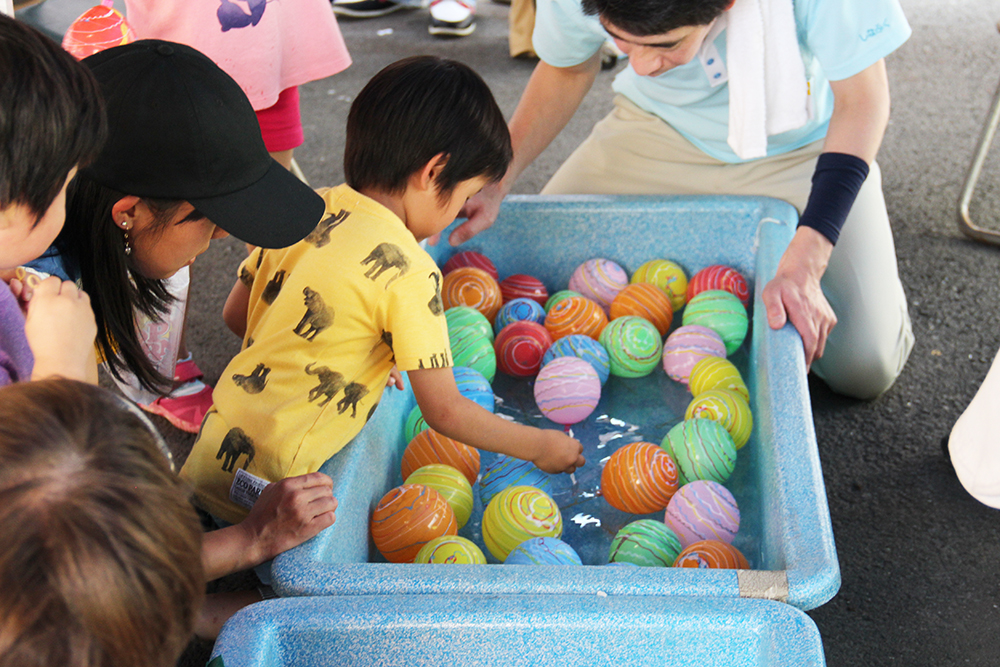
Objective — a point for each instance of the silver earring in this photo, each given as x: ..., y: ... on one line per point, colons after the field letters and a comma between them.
x: 128, y: 245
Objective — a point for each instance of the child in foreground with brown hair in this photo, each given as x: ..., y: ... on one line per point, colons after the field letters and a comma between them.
x: 324, y: 321
x: 101, y: 564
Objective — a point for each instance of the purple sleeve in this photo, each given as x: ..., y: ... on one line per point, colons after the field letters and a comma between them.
x: 16, y: 360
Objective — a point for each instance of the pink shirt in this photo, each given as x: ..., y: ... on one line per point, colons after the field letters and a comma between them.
x: 265, y: 45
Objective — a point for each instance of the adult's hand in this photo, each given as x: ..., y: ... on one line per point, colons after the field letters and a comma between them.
x: 481, y: 211
x: 794, y: 294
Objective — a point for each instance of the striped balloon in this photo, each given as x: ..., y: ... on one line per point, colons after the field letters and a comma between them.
x: 647, y: 543
x: 505, y: 471
x: 450, y: 483
x: 521, y: 286
x: 99, y: 28
x: 722, y: 278
x: 646, y: 301
x: 465, y: 318
x: 688, y: 345
x: 702, y: 449
x: 634, y: 346
x: 407, y: 518
x: 576, y: 315
x: 639, y: 478
x: 557, y: 297
x: 543, y: 551
x: 716, y: 373
x: 470, y: 258
x: 584, y: 347
x: 520, y: 347
x: 712, y: 554
x: 726, y: 407
x: 429, y: 447
x: 414, y: 423
x: 450, y: 550
x: 468, y: 286
x: 519, y: 310
x: 567, y: 390
x: 668, y: 276
x: 703, y: 510
x: 516, y: 514
x: 600, y: 280
x: 723, y: 313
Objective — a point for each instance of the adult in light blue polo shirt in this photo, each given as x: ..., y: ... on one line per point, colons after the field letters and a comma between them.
x: 669, y: 133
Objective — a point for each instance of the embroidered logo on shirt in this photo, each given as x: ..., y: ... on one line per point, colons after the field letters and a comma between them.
x: 872, y: 32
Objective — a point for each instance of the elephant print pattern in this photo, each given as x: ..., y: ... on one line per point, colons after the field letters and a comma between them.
x: 330, y: 382
x: 353, y: 393
x: 255, y: 382
x: 318, y: 316
x: 235, y: 444
x: 436, y: 304
x: 383, y: 257
x: 273, y: 287
x: 320, y: 236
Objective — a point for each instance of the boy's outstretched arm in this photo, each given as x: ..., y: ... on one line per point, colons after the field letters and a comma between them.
x: 449, y: 413
x: 286, y: 514
x: 234, y: 313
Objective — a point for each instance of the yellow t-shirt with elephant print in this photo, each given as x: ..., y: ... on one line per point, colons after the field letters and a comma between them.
x: 328, y: 318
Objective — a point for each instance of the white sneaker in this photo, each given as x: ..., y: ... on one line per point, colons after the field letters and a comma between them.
x: 452, y: 18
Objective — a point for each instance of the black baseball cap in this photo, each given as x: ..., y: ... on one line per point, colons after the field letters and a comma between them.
x: 181, y: 128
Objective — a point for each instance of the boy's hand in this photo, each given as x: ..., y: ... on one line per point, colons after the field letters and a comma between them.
x: 395, y: 379
x: 288, y: 513
x: 558, y: 452
x: 60, y: 329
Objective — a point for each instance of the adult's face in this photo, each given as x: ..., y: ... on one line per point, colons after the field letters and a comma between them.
x: 652, y: 55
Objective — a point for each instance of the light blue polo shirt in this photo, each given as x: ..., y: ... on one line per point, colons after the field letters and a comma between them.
x: 838, y: 39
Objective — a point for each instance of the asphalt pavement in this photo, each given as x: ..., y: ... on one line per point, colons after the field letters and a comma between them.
x: 919, y: 557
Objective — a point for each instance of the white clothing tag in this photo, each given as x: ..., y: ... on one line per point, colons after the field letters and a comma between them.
x: 246, y: 488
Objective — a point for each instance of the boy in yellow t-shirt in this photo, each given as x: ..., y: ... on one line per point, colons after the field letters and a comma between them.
x: 324, y: 321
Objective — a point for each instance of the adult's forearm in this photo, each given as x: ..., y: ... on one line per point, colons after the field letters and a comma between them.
x: 550, y: 99
x: 860, y: 113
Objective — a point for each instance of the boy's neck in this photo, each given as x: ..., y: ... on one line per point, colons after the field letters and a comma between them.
x: 393, y: 202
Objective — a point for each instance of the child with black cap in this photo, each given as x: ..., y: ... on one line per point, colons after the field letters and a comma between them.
x: 183, y: 164
x: 325, y: 320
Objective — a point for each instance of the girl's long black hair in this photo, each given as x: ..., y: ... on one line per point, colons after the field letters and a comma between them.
x: 92, y: 245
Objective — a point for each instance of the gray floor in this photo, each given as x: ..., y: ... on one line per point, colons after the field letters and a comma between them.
x: 921, y: 585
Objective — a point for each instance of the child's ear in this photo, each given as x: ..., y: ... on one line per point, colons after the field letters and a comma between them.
x: 427, y: 176
x: 126, y: 210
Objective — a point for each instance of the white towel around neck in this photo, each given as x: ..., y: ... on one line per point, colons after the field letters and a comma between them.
x: 768, y: 93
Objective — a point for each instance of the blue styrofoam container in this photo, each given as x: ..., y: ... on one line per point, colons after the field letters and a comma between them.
x: 785, y: 532
x: 365, y: 631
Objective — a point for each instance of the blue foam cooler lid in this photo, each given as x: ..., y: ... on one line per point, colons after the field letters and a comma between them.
x: 499, y: 631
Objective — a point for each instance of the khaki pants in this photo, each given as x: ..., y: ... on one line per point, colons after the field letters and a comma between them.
x: 633, y: 152
x: 522, y: 23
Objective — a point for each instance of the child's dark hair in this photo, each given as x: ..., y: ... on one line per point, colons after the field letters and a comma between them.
x: 417, y: 108
x: 101, y: 559
x: 92, y: 246
x: 643, y: 18
x: 51, y: 117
